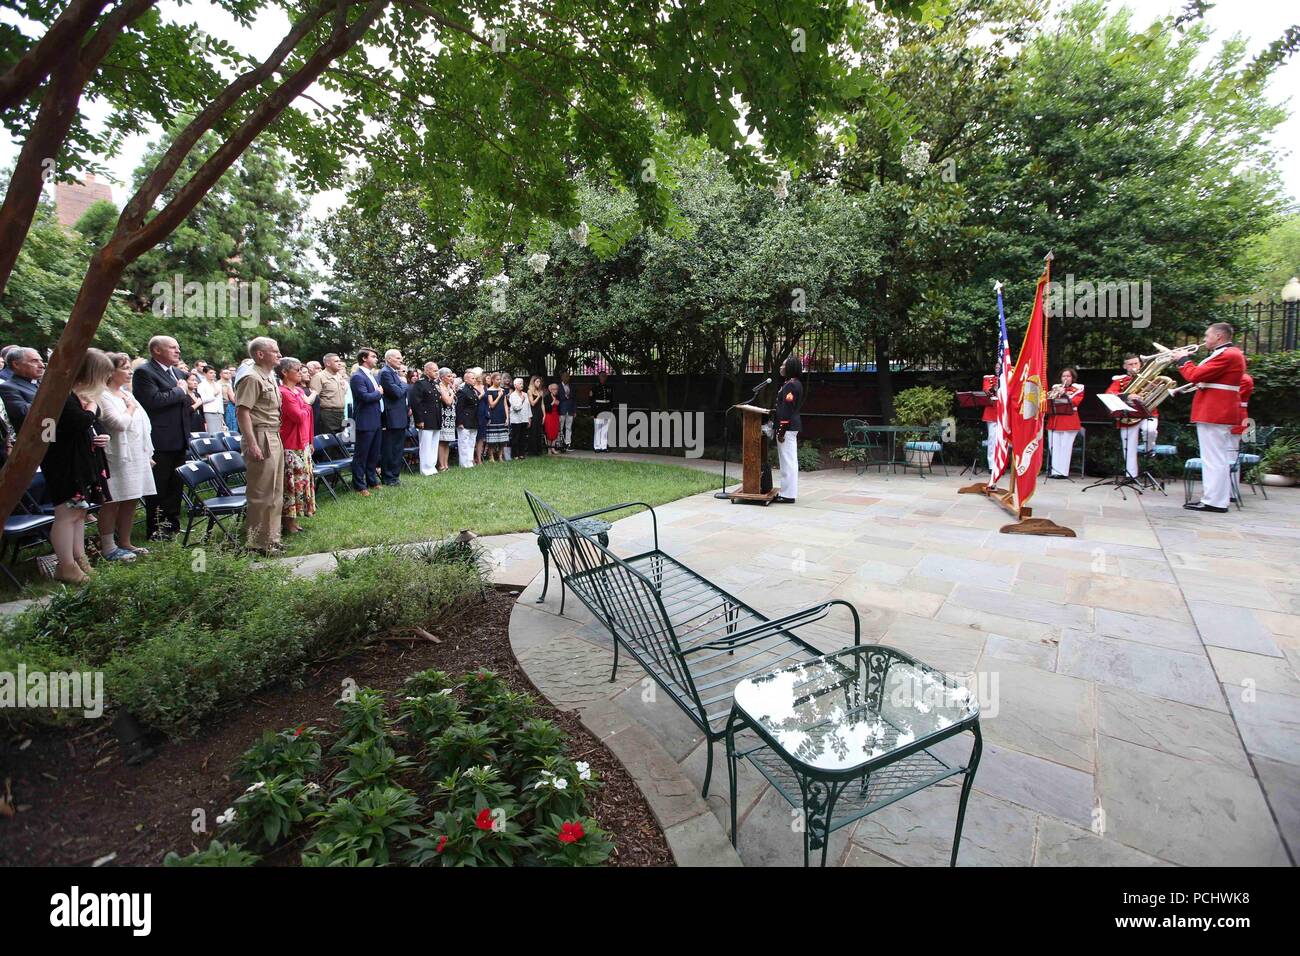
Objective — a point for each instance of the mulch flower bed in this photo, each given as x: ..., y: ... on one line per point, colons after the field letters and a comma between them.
x: 69, y: 798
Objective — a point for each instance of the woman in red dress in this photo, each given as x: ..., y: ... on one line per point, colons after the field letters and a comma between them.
x: 551, y: 423
x: 295, y: 436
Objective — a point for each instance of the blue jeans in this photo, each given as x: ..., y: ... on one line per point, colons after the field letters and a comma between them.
x: 365, y: 460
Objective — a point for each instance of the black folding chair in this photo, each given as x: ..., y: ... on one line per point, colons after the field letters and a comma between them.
x: 233, y: 442
x: 324, y: 469
x: 231, y: 472
x: 201, y: 448
x: 28, y: 525
x: 334, y: 448
x: 205, y: 497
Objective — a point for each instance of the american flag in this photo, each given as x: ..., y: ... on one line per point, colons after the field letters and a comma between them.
x: 1002, y: 450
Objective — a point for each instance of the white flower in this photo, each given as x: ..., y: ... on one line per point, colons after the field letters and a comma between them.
x: 444, y: 693
x: 312, y: 787
x: 561, y: 783
x: 537, y: 262
x: 255, y: 787
x: 545, y: 777
x: 584, y: 770
x: 579, y: 233
x: 227, y: 817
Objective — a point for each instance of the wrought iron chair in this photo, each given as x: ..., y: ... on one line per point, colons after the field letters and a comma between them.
x: 694, y: 639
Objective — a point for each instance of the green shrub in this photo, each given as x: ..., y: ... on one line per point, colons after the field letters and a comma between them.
x: 373, y: 823
x: 266, y: 813
x: 1282, y: 457
x: 294, y: 751
x: 1277, y: 383
x: 217, y: 854
x: 922, y: 405
x: 187, y: 632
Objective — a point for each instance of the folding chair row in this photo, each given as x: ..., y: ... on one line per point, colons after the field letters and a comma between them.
x: 203, y: 444
x: 329, y: 461
x: 214, y: 489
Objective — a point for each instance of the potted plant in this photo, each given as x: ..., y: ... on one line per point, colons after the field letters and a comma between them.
x: 922, y: 406
x: 1280, y: 463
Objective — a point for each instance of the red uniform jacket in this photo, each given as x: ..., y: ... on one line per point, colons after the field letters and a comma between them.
x: 1247, y: 387
x: 1218, y: 380
x: 1067, y: 423
x: 1117, y: 384
x: 990, y: 411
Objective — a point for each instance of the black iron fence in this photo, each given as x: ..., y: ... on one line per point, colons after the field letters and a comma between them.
x: 1262, y: 327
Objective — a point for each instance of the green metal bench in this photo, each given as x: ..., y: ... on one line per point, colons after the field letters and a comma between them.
x: 693, y: 638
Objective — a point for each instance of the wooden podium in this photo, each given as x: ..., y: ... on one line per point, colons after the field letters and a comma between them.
x: 753, y: 456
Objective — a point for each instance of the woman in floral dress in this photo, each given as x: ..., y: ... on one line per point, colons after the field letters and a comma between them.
x: 295, y: 436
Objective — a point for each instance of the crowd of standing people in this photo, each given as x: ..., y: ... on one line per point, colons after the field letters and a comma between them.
x: 124, y: 432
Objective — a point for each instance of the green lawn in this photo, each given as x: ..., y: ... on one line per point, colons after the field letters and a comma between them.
x: 488, y: 499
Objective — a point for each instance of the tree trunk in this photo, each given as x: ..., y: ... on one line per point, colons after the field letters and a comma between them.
x: 884, y: 377
x: 53, y: 121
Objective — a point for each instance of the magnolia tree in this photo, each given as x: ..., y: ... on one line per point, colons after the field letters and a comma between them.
x: 476, y: 97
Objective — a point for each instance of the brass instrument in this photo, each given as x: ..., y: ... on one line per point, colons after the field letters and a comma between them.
x: 1149, y: 387
x: 1056, y: 391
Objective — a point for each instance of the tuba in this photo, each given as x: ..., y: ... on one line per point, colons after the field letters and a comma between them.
x: 1149, y: 387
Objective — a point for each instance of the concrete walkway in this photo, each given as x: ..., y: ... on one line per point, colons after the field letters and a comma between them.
x: 1142, y: 702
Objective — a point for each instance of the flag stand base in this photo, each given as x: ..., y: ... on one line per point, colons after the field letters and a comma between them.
x: 1025, y: 522
x: 1044, y: 526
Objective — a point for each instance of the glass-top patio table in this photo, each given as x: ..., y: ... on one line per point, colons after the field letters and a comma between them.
x: 861, y: 435
x: 844, y: 735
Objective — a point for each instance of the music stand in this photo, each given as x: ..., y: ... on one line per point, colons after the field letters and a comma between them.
x: 974, y: 400
x: 1119, y: 410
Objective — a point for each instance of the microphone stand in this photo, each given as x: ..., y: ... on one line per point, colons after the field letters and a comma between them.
x: 726, y: 441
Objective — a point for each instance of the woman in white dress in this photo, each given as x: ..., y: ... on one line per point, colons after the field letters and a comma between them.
x: 130, y: 462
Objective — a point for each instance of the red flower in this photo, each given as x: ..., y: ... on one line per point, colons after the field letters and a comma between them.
x: 442, y: 844
x: 301, y: 728
x: 484, y: 819
x: 571, y: 833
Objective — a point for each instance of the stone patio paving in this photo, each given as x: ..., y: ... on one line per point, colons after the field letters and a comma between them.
x: 1145, y: 706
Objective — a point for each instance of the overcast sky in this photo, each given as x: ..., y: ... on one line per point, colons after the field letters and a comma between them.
x: 1259, y: 21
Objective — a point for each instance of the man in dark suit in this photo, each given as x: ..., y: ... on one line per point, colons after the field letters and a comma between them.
x: 25, y: 370
x: 396, y: 415
x: 367, y: 405
x: 163, y: 394
x: 6, y: 373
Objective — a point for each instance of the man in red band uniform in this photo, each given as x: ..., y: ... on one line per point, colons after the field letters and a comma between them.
x: 1141, y: 433
x: 1216, y: 409
x: 990, y: 416
x: 1061, y: 429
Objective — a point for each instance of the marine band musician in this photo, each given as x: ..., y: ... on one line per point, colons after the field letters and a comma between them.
x: 1062, y: 428
x: 1142, y: 433
x: 990, y: 416
x: 1216, y: 410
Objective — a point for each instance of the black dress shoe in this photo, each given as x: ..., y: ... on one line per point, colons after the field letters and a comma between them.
x: 1202, y: 506
x: 781, y: 500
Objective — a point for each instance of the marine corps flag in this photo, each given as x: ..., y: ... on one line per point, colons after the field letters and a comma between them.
x: 1028, y: 394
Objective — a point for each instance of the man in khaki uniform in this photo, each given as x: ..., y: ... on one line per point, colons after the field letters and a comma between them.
x: 257, y: 397
x: 331, y: 384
